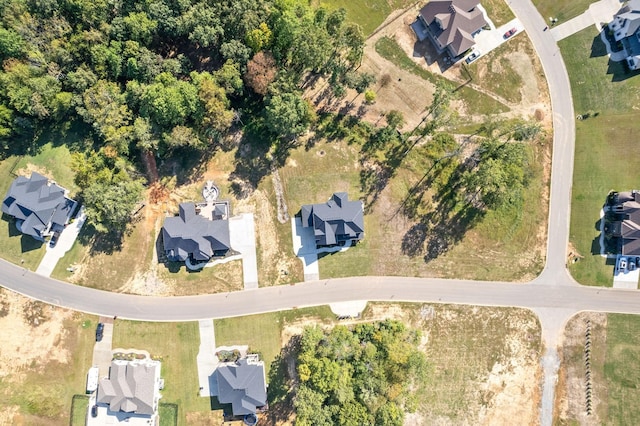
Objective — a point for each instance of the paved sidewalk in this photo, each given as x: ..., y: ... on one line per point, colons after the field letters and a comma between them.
x: 243, y: 239
x: 65, y: 242
x: 207, y: 361
x: 599, y: 12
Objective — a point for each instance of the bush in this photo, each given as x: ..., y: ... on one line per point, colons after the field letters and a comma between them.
x: 370, y: 96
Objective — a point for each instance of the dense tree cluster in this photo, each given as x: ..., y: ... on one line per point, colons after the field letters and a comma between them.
x: 365, y: 375
x: 154, y: 76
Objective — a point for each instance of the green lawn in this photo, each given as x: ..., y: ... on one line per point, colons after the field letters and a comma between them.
x: 177, y: 344
x: 79, y: 409
x: 369, y: 14
x: 562, y: 10
x: 498, y: 11
x: 263, y: 333
x: 613, y: 94
x: 215, y: 279
x: 477, y: 102
x: 622, y: 369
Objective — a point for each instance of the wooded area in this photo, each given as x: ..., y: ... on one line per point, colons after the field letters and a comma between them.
x: 152, y: 79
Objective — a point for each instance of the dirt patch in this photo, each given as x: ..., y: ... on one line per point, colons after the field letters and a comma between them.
x: 570, y: 404
x: 30, y: 168
x: 25, y: 345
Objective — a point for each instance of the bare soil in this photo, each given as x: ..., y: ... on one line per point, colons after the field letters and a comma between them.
x: 28, y: 347
x: 570, y: 404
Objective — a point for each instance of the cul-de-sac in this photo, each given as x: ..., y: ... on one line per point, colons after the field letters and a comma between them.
x: 319, y: 212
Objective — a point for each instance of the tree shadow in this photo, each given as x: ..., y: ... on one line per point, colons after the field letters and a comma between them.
x: 282, y: 384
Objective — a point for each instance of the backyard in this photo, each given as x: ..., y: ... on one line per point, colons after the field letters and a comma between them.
x: 607, y: 89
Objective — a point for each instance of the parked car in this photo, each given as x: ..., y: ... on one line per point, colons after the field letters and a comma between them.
x: 473, y: 56
x: 94, y: 411
x: 99, y: 332
x: 622, y: 264
x: 54, y: 239
x: 511, y: 32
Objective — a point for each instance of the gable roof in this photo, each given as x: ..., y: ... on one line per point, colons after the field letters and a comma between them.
x: 242, y: 385
x: 627, y: 206
x: 336, y: 220
x: 631, y: 13
x: 458, y: 20
x: 38, y: 203
x: 192, y: 234
x: 131, y: 386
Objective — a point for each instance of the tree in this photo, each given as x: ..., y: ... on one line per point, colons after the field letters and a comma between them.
x: 109, y: 205
x: 287, y: 114
x: 170, y: 102
x: 230, y: 78
x: 261, y: 72
x: 217, y: 116
x: 104, y: 107
x: 11, y: 44
x: 259, y: 38
x: 389, y: 414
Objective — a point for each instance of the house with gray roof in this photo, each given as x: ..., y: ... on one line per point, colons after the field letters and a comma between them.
x: 452, y: 24
x: 243, y: 385
x: 338, y: 221
x: 624, y: 222
x: 133, y: 387
x: 625, y: 26
x: 198, y: 233
x: 39, y: 206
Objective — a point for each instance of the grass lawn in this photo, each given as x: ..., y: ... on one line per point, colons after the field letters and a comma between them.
x: 498, y: 11
x: 177, y: 344
x: 263, y: 333
x: 477, y: 102
x: 216, y: 279
x: 606, y: 89
x: 622, y: 369
x: 79, y: 409
x: 562, y: 10
x: 369, y: 14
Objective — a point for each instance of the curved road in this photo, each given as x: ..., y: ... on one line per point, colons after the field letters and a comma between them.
x: 554, y: 296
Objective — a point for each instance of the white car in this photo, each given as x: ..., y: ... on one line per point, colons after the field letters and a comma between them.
x: 473, y: 56
x: 622, y: 264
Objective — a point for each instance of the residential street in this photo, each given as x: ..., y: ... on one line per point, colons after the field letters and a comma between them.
x: 554, y: 295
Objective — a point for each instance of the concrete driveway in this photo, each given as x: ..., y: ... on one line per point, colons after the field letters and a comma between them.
x: 102, y: 354
x: 243, y: 239
x: 598, y: 12
x: 487, y: 40
x: 206, y: 360
x: 65, y: 242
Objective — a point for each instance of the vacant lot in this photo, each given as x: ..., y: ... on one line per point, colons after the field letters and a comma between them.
x: 46, y: 353
x: 614, y: 361
x: 607, y: 89
x: 483, y: 363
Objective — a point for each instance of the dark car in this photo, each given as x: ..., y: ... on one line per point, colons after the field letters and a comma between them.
x: 54, y: 239
x: 99, y: 332
x: 94, y: 411
x: 511, y: 32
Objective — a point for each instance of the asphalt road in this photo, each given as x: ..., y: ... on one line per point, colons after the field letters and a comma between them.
x: 268, y: 299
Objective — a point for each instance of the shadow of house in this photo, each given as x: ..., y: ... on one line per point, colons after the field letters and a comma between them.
x: 336, y: 222
x: 451, y: 25
x: 38, y: 205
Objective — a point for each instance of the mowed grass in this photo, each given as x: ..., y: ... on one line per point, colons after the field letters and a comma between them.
x: 177, y: 344
x: 215, y: 279
x: 54, y: 162
x: 622, y: 369
x: 263, y: 332
x: 477, y: 102
x: 563, y: 10
x: 369, y: 14
x: 498, y: 11
x: 600, y: 144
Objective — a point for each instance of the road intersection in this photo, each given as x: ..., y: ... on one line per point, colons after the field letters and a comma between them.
x: 553, y: 295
